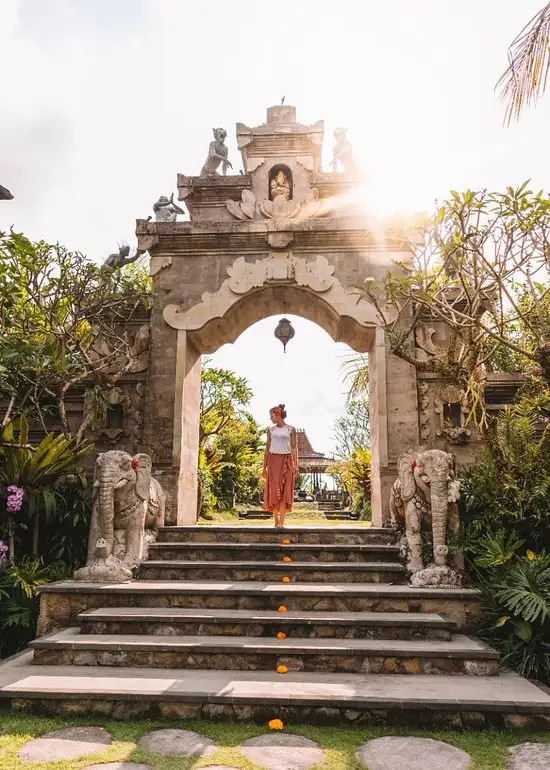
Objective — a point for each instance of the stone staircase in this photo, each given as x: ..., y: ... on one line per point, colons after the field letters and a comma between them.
x: 209, y: 622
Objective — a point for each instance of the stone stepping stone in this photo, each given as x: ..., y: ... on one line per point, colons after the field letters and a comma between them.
x: 177, y: 743
x: 69, y: 743
x: 530, y: 756
x: 283, y: 751
x: 412, y: 753
x: 120, y: 766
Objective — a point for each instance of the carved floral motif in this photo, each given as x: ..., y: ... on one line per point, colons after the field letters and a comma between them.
x: 279, y: 208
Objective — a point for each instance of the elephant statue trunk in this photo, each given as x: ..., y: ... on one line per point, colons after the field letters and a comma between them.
x: 126, y: 500
x: 439, y: 506
x: 425, y: 495
x: 107, y: 508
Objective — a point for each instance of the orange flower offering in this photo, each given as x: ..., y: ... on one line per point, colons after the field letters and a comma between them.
x: 282, y: 670
x: 287, y: 559
x: 275, y: 724
x: 286, y: 541
x: 281, y: 635
x: 286, y: 579
x: 282, y: 608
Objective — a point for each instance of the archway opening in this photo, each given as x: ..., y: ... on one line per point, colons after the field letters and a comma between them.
x: 222, y: 318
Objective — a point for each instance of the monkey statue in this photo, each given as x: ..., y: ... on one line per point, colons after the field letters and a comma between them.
x: 166, y: 210
x: 342, y: 152
x: 123, y: 257
x: 217, y: 153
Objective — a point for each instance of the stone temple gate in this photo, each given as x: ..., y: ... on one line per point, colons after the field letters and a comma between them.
x: 282, y: 235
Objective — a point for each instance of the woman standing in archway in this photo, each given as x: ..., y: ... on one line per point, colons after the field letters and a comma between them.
x: 280, y: 466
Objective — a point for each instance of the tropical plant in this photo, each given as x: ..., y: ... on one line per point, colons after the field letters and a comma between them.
x: 507, y: 491
x: 515, y: 583
x: 476, y: 272
x: 63, y: 322
x: 36, y: 470
x: 19, y: 584
x: 524, y: 80
x: 354, y: 477
x: 352, y: 430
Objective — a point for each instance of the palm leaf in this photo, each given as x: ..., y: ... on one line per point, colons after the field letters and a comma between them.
x: 525, y: 78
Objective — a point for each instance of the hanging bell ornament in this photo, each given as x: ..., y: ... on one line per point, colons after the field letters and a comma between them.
x: 284, y: 332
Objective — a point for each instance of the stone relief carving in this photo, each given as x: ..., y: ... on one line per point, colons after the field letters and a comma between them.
x: 425, y: 341
x: 342, y: 152
x: 425, y: 493
x: 217, y: 153
x: 279, y: 208
x: 244, y: 276
x: 424, y: 411
x: 281, y: 268
x: 166, y: 210
x: 453, y: 432
x: 126, y: 503
x: 159, y: 263
x: 280, y: 185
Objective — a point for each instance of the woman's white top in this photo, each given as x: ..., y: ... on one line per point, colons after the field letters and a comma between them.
x: 280, y: 440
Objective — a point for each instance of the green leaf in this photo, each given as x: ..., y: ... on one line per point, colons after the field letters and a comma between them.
x: 523, y: 629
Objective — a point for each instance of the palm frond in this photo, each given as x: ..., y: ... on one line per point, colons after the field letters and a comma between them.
x: 524, y: 80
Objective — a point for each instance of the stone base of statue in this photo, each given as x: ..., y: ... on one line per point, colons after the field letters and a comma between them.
x: 436, y: 576
x: 109, y: 570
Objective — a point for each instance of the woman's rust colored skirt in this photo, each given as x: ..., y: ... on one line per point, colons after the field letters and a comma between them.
x: 279, y: 484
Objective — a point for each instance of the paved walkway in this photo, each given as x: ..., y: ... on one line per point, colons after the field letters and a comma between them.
x: 274, y: 751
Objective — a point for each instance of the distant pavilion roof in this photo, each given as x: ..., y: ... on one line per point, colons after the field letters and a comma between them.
x: 309, y: 460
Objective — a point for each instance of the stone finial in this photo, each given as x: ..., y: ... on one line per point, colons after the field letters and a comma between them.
x: 217, y: 153
x: 126, y: 503
x: 281, y: 113
x: 166, y: 210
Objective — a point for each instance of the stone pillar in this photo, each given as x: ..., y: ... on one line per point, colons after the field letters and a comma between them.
x: 379, y: 426
x: 185, y: 447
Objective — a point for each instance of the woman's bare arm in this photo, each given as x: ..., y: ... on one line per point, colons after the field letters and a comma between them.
x: 266, y: 452
x: 294, y: 445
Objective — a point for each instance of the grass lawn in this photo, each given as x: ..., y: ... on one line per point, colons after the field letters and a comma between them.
x: 300, y: 516
x: 487, y: 749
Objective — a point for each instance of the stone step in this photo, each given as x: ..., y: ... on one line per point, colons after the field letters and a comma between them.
x: 178, y: 621
x: 503, y: 701
x: 61, y: 602
x: 274, y: 552
x: 343, y: 534
x: 329, y: 515
x: 459, y: 655
x: 303, y: 572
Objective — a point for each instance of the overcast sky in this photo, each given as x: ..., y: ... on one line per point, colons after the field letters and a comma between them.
x: 103, y: 102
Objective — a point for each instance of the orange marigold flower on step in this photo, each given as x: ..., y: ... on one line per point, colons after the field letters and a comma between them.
x: 281, y: 635
x: 282, y: 670
x: 286, y: 541
x: 282, y: 608
x: 286, y: 579
x: 287, y: 559
x: 275, y: 724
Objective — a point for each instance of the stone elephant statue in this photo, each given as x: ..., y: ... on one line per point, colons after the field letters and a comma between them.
x: 425, y: 494
x: 126, y: 502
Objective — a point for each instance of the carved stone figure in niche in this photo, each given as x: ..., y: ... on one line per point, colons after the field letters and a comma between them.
x: 217, y: 153
x: 123, y: 257
x: 126, y: 502
x: 426, y: 493
x: 166, y: 210
x: 280, y: 184
x: 342, y: 152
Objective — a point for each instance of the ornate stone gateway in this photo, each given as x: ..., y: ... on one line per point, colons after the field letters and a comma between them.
x: 283, y: 235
